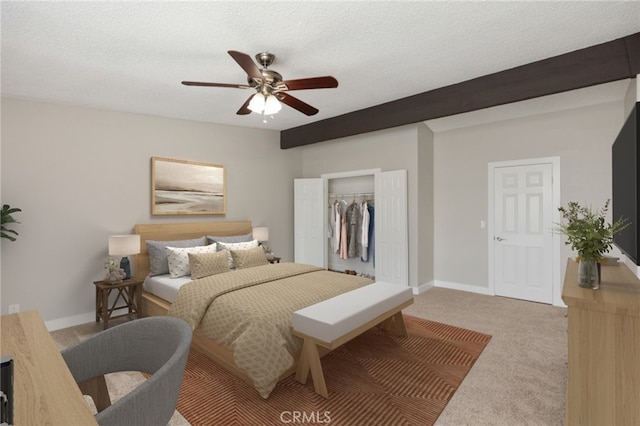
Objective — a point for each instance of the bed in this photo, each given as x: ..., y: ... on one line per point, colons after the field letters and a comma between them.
x: 241, y: 318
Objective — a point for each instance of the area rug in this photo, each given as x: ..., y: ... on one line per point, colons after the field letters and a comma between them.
x: 376, y: 379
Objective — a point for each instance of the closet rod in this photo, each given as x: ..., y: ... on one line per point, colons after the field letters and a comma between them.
x: 353, y: 194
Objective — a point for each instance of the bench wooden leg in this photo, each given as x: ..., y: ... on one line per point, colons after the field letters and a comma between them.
x: 303, y: 365
x: 400, y: 326
x: 395, y: 324
x: 310, y: 360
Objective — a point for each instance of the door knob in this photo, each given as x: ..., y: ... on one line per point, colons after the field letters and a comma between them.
x: 500, y: 239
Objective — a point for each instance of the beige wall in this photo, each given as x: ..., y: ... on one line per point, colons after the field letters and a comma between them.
x: 448, y: 182
x: 407, y: 147
x: 426, y: 207
x: 581, y: 137
x: 80, y: 175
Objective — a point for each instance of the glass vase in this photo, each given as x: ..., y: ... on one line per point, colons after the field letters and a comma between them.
x: 588, y: 274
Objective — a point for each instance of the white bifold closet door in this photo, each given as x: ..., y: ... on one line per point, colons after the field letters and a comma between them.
x: 310, y: 236
x: 390, y: 221
x: 391, y: 228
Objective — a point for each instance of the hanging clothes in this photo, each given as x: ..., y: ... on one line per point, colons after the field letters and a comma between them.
x: 364, y: 232
x: 372, y: 233
x: 353, y: 231
x: 334, y: 231
x: 339, y: 208
x: 343, y: 250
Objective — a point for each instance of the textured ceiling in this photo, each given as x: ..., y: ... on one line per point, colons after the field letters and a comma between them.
x: 131, y: 56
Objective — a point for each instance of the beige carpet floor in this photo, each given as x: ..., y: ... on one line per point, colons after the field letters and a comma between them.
x: 519, y: 379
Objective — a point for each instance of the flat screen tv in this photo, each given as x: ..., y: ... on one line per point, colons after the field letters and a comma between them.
x: 625, y: 159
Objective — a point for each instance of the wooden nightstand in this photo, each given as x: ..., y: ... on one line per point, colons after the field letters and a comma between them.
x: 129, y: 292
x: 273, y: 259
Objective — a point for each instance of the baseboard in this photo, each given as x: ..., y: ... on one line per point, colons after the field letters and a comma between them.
x: 60, y: 323
x: 464, y: 287
x: 72, y: 321
x: 422, y: 288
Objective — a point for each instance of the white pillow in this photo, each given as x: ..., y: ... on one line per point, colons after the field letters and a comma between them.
x: 178, y: 258
x: 236, y: 246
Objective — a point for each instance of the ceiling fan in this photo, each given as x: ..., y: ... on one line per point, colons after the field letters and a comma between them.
x: 270, y: 88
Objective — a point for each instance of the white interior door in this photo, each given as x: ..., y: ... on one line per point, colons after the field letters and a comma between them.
x: 522, y: 237
x: 391, y: 227
x: 308, y: 218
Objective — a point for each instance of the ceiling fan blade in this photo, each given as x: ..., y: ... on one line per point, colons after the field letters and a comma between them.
x: 247, y: 64
x: 199, y: 83
x: 244, y: 109
x: 325, y: 82
x: 296, y: 104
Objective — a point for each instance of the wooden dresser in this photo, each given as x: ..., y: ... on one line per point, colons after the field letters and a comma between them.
x: 603, y: 386
x: 44, y: 391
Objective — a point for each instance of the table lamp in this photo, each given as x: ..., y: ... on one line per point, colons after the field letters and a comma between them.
x: 261, y: 234
x: 124, y: 245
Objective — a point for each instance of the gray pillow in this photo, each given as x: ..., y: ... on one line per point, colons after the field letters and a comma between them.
x: 158, y: 263
x: 230, y: 239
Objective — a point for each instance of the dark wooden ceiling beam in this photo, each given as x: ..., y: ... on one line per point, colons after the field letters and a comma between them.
x: 602, y: 63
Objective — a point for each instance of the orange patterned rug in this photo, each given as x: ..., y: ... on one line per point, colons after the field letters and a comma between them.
x: 376, y: 379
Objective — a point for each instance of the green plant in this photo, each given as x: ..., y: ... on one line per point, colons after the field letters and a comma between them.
x: 7, y: 211
x: 587, y: 231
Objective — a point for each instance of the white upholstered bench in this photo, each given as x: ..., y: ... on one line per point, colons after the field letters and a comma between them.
x: 333, y: 322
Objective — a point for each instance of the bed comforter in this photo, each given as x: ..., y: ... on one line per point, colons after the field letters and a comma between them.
x: 249, y: 312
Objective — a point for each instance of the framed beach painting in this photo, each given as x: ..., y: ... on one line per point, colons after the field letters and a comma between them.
x: 187, y: 187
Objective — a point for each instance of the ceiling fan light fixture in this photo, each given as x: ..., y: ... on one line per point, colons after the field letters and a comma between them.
x: 272, y: 105
x: 271, y: 89
x: 257, y: 103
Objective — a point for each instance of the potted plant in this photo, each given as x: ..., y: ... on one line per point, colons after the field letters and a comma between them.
x: 7, y: 217
x: 589, y: 234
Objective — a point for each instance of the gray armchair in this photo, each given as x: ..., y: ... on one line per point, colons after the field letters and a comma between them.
x: 157, y: 345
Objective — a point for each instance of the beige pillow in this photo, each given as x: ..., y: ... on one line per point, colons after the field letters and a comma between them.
x: 206, y: 264
x: 249, y: 258
x: 178, y: 258
x: 236, y: 246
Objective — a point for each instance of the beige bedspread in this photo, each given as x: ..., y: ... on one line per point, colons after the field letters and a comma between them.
x: 249, y: 312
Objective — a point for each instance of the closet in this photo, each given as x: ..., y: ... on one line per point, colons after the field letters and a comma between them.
x: 314, y: 204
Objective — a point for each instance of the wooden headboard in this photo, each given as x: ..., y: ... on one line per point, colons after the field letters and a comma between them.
x: 181, y: 231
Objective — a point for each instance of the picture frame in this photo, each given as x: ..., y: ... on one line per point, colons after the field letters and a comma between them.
x: 183, y: 187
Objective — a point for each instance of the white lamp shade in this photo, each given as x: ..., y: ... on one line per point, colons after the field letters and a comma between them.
x: 261, y: 233
x: 272, y: 105
x: 124, y: 245
x: 257, y: 103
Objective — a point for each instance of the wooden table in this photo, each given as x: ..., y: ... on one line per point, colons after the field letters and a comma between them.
x: 44, y: 391
x: 603, y: 384
x: 129, y: 293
